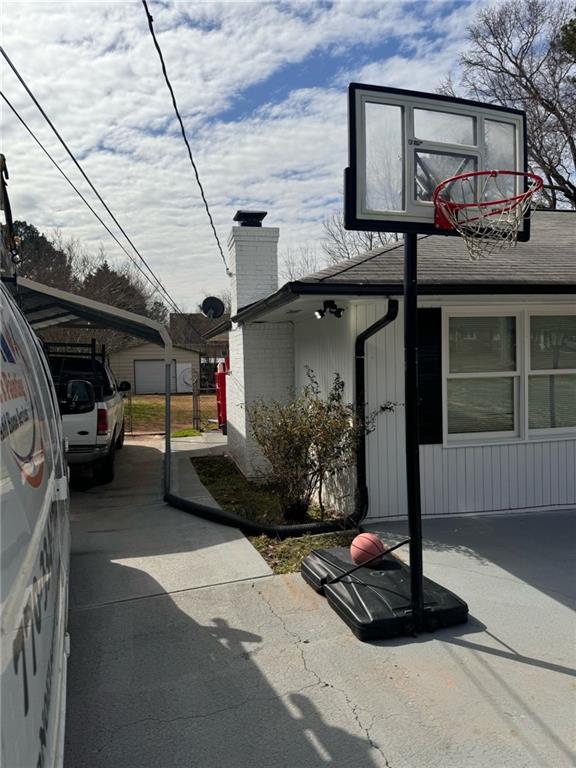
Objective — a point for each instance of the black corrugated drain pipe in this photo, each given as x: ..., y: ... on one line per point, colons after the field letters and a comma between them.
x: 251, y: 528
x: 360, y: 389
x: 256, y: 529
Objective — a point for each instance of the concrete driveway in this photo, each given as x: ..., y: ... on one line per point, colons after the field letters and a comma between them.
x: 186, y: 653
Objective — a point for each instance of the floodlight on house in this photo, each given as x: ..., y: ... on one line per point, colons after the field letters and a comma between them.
x: 331, y: 307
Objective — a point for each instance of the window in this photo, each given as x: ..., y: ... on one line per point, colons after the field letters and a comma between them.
x: 509, y: 375
x: 482, y: 375
x: 552, y: 377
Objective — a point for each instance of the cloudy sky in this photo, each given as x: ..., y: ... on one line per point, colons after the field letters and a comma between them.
x: 261, y: 86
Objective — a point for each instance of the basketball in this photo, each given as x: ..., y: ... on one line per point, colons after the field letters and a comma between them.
x: 365, y: 546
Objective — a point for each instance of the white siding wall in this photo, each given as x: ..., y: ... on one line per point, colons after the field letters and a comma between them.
x: 327, y: 346
x: 454, y: 480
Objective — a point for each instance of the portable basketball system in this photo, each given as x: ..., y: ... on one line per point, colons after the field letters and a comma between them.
x: 421, y: 164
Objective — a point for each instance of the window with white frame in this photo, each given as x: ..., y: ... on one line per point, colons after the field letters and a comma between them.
x: 552, y: 372
x: 509, y: 375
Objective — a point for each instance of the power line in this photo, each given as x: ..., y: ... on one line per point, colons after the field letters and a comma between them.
x: 77, y: 164
x: 85, y: 201
x: 183, y: 130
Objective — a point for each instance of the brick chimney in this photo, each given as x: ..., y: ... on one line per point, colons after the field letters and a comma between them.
x: 253, y: 259
x: 261, y: 353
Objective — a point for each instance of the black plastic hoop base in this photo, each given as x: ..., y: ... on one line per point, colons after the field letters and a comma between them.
x: 375, y: 601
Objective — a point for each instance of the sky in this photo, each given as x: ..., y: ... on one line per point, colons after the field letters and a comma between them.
x: 262, y: 90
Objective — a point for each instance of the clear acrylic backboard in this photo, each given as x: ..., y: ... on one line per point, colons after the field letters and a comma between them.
x: 402, y: 144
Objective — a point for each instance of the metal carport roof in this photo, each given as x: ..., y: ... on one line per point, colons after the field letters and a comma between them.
x: 44, y: 306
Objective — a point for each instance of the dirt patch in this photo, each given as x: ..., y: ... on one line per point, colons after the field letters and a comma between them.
x: 286, y: 556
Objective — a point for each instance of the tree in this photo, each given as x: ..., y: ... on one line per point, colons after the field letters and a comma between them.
x: 299, y: 262
x: 568, y: 37
x: 158, y: 311
x: 521, y: 55
x: 340, y: 244
x: 41, y: 260
x: 116, y: 287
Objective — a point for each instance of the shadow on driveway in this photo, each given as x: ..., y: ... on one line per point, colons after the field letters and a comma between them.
x: 152, y: 685
x: 537, y: 548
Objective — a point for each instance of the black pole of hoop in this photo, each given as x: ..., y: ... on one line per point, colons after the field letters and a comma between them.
x: 411, y: 422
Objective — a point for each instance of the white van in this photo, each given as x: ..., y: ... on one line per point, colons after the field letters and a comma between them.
x: 35, y: 541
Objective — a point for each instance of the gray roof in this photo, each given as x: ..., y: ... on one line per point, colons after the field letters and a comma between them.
x: 545, y: 264
x: 549, y: 257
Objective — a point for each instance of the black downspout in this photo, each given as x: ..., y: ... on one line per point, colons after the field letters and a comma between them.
x: 360, y: 389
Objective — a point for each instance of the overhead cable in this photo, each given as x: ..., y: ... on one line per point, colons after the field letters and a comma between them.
x: 77, y: 164
x: 183, y: 130
x: 156, y: 287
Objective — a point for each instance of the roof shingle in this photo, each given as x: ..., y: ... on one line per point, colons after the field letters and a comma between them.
x: 549, y: 257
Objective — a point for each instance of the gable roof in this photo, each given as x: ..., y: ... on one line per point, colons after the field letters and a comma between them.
x: 545, y: 264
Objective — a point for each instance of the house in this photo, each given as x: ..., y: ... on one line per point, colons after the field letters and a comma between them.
x: 194, y: 328
x: 497, y: 363
x: 143, y: 366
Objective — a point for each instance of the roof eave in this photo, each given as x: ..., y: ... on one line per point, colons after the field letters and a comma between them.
x: 292, y: 291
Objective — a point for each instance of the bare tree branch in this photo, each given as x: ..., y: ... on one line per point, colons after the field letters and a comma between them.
x: 340, y: 244
x: 520, y: 56
x: 299, y: 262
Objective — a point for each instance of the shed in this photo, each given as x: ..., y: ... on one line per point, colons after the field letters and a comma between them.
x: 143, y: 366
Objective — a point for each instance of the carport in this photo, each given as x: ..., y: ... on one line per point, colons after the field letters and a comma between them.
x: 45, y: 307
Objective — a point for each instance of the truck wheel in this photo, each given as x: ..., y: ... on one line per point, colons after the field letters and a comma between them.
x: 120, y: 440
x: 104, y: 470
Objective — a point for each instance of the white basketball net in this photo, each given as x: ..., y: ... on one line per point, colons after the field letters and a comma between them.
x: 487, y: 224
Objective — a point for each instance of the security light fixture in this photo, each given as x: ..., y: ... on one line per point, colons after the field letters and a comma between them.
x: 329, y: 306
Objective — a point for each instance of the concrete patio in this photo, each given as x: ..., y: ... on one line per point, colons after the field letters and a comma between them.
x: 187, y: 652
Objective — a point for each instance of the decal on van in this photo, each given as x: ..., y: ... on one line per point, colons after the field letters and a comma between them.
x: 20, y: 424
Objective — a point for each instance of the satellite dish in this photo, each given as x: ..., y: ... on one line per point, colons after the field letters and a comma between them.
x: 213, y: 307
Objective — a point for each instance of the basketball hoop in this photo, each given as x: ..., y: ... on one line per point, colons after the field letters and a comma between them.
x: 480, y: 207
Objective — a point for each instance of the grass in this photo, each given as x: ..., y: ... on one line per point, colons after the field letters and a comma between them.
x: 234, y: 492
x: 147, y: 412
x: 186, y: 432
x: 286, y: 556
x: 256, y: 502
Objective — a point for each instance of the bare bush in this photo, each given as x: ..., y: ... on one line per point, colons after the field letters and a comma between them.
x: 306, y: 441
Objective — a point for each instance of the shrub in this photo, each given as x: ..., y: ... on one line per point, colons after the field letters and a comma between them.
x: 305, y: 440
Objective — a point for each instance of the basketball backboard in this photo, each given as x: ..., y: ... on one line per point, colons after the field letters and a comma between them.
x: 402, y: 144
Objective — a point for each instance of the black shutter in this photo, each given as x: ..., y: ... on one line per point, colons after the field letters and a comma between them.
x: 430, y: 375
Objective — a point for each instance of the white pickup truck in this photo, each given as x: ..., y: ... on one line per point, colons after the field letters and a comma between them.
x: 92, y: 409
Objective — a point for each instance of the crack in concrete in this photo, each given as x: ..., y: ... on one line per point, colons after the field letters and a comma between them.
x: 113, y: 732
x: 354, y: 707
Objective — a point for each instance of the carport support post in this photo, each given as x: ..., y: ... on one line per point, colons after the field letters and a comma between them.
x: 167, y: 425
x: 411, y: 424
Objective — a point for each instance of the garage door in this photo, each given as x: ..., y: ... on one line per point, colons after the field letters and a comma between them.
x: 149, y: 377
